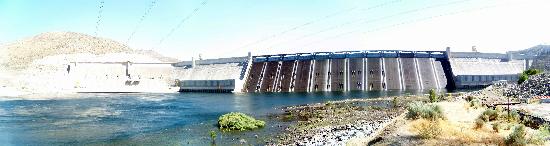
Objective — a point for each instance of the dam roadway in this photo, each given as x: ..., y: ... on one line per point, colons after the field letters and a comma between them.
x: 347, y: 71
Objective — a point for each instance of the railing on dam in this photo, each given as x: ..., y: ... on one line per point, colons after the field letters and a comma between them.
x: 351, y: 54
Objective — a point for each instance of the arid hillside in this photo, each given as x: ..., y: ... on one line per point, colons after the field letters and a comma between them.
x: 20, y: 54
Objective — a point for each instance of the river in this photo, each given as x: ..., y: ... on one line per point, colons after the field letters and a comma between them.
x: 150, y: 119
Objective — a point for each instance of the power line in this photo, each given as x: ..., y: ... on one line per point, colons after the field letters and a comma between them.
x: 360, y: 21
x: 153, y: 3
x: 99, y: 17
x: 317, y: 20
x: 401, y: 23
x: 195, y: 11
x: 297, y: 26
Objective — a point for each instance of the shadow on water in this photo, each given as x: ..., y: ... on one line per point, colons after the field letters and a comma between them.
x: 151, y: 119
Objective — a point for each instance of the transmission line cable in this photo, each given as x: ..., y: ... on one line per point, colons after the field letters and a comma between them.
x: 151, y: 5
x: 362, y: 20
x: 182, y: 21
x: 317, y: 20
x: 101, y: 3
x: 401, y: 23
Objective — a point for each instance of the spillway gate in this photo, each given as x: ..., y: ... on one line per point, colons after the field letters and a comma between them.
x: 349, y: 71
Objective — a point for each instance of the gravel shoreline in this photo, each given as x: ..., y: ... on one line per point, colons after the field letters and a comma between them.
x: 339, y: 122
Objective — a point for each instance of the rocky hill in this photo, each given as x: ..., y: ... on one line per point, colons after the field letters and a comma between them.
x: 20, y: 54
x: 536, y: 85
x: 543, y: 60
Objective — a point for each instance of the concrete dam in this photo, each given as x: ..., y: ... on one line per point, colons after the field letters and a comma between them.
x: 371, y: 70
x: 349, y: 71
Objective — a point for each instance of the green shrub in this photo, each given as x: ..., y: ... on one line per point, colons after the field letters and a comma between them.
x: 489, y: 115
x: 525, y: 75
x: 517, y: 137
x: 496, y: 126
x: 394, y: 102
x: 522, y: 78
x: 469, y: 98
x: 513, y: 117
x: 433, y: 96
x: 531, y: 72
x: 542, y: 134
x: 475, y: 103
x: 418, y: 110
x: 239, y: 121
x: 528, y: 121
x: 213, y: 136
x: 479, y: 123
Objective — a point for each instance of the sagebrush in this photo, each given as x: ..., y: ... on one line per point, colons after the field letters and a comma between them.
x: 429, y: 111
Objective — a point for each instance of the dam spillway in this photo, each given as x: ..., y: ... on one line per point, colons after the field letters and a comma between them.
x: 368, y: 70
x: 347, y: 71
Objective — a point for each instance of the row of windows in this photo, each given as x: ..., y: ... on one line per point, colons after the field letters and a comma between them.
x: 483, y: 78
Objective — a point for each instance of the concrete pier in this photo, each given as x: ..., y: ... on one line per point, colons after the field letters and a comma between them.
x: 425, y: 68
x: 269, y: 76
x: 254, y: 77
x: 302, y: 76
x: 410, y: 75
x: 338, y: 75
x: 393, y: 79
x: 285, y: 76
x: 320, y: 76
x: 356, y: 74
x: 374, y: 74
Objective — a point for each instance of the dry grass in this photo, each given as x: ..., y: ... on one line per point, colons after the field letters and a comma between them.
x: 457, y: 129
x: 455, y: 134
x: 427, y: 129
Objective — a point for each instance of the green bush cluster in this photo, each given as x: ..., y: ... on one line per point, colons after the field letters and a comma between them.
x: 239, y: 121
x: 513, y: 117
x: 479, y: 123
x: 489, y: 115
x: 429, y: 111
x: 433, y: 96
x: 543, y: 133
x: 473, y: 101
x: 496, y: 126
x: 517, y: 137
x: 525, y: 75
x: 394, y: 102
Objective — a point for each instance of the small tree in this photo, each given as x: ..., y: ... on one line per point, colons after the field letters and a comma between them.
x: 213, y: 136
x: 525, y: 75
x: 394, y: 102
x: 433, y: 96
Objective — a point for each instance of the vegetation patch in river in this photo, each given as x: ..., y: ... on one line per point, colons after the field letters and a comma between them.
x: 239, y: 121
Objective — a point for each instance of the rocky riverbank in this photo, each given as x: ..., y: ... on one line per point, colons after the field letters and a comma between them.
x: 336, y: 123
x: 536, y: 85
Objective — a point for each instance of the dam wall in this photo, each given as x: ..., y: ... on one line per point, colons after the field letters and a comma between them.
x: 371, y: 70
x: 121, y: 76
x: 348, y: 71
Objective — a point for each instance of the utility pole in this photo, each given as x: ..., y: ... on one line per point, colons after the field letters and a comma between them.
x: 508, y: 108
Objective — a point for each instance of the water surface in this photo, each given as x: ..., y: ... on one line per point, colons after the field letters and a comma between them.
x: 149, y: 119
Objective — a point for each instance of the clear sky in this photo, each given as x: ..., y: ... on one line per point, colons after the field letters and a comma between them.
x: 223, y: 28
